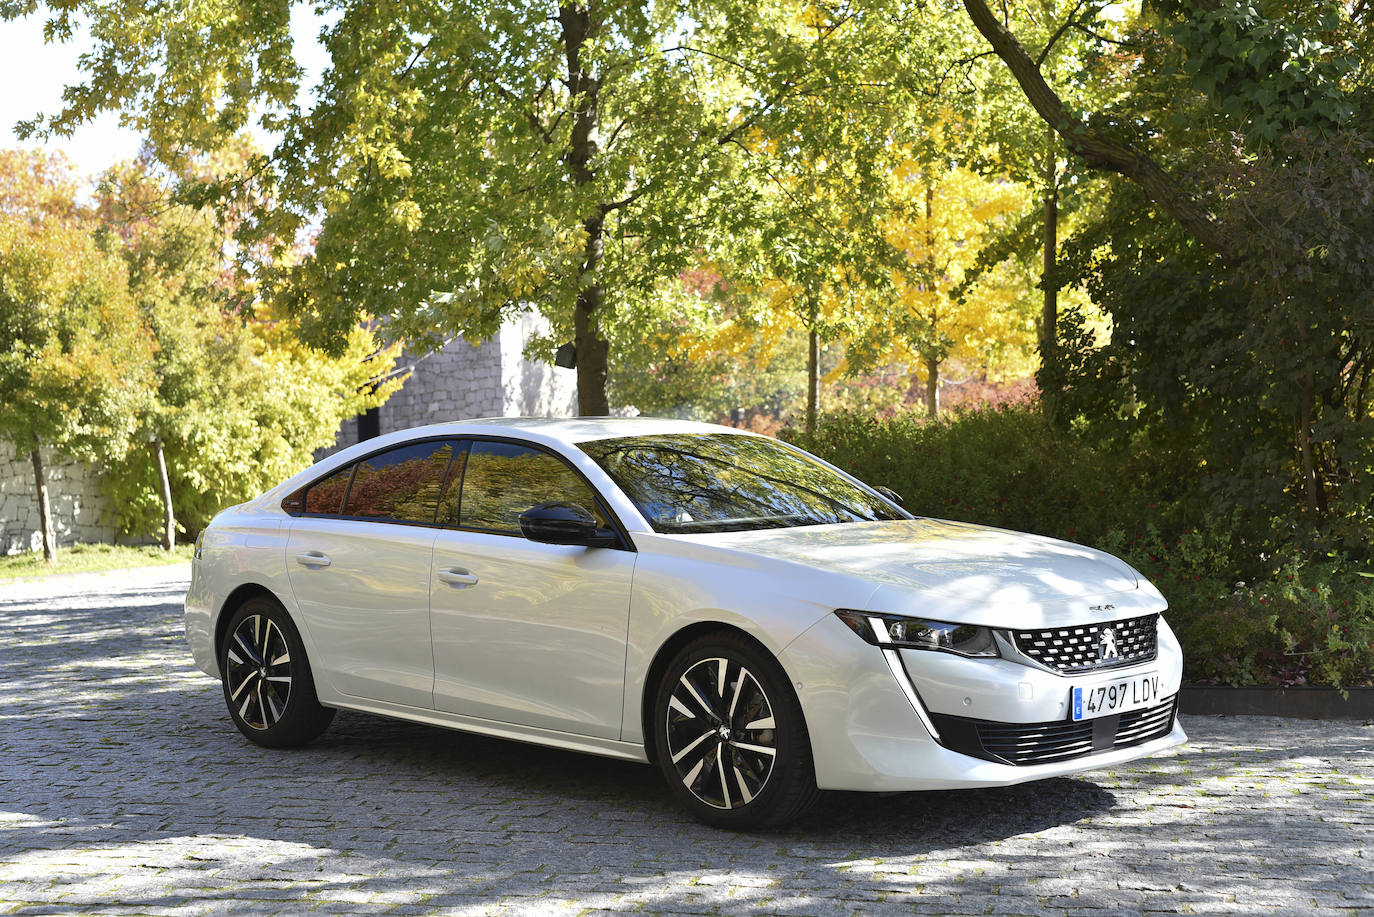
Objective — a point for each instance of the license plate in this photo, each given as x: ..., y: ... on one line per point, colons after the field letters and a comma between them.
x: 1118, y: 696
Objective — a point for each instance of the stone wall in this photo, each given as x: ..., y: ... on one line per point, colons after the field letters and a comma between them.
x: 78, y: 506
x: 463, y: 382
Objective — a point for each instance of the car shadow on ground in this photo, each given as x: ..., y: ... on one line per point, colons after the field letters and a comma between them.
x: 914, y: 821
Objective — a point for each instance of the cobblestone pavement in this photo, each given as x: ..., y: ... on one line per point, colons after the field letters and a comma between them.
x: 124, y: 789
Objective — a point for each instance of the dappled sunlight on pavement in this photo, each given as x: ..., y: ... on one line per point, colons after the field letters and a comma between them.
x: 124, y: 789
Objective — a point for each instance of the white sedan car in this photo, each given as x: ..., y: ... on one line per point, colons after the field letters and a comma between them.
x: 756, y: 622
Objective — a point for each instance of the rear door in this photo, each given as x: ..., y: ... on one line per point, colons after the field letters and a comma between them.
x: 359, y: 559
x: 527, y: 633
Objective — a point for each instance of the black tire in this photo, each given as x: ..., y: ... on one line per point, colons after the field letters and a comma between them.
x: 738, y: 734
x: 266, y: 677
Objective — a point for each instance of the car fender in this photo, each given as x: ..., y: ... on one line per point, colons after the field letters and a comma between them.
x: 240, y: 549
x: 680, y: 584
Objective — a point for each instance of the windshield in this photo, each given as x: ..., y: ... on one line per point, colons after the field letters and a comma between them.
x: 722, y: 482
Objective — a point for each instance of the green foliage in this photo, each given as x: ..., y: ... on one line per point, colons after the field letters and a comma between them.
x: 705, y: 355
x: 1268, y: 68
x: 1262, y: 369
x: 121, y: 324
x: 1004, y: 466
x: 1247, y: 610
x: 74, y: 351
x: 463, y: 161
x: 239, y: 404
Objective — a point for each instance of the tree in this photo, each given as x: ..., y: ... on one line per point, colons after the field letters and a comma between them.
x: 1095, y: 146
x: 472, y: 160
x: 240, y: 403
x: 75, y: 355
x: 1015, y: 144
x: 710, y: 354
x: 946, y: 302
x: 175, y: 270
x: 1242, y: 325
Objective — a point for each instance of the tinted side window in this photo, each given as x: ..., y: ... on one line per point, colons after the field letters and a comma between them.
x: 502, y: 480
x: 327, y: 496
x: 401, y: 483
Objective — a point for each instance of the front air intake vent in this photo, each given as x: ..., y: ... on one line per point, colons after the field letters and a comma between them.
x: 1047, y: 743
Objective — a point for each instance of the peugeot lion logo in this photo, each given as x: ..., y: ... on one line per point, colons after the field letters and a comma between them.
x: 1106, y: 645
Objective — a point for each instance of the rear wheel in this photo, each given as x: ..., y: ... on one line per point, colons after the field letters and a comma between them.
x: 266, y: 677
x: 730, y: 735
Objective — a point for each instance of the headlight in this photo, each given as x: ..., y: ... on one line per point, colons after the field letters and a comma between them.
x: 200, y: 542
x: 899, y: 632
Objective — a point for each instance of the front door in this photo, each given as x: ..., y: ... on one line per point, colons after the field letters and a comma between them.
x: 527, y: 633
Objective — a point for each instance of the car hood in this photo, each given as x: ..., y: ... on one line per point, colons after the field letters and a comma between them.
x: 961, y: 572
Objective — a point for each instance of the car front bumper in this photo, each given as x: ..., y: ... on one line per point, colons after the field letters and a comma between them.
x: 888, y: 720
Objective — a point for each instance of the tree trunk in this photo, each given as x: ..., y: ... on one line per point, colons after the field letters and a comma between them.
x: 1096, y: 149
x: 1049, y: 311
x: 932, y: 387
x: 592, y: 353
x: 932, y: 363
x: 584, y: 89
x: 169, y: 523
x: 1312, y: 485
x: 813, y: 376
x: 44, y: 508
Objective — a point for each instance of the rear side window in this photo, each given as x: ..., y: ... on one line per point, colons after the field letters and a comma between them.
x: 503, y: 480
x: 326, y: 497
x: 401, y: 484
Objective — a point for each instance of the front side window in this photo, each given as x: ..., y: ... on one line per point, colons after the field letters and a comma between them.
x: 720, y: 482
x: 401, y: 484
x: 503, y: 480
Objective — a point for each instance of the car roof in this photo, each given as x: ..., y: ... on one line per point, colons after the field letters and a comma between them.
x: 569, y: 430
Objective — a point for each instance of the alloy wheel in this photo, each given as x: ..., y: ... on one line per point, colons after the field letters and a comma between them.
x: 721, y: 733
x: 259, y: 672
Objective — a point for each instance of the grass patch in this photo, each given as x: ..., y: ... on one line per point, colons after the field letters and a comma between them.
x: 89, y: 558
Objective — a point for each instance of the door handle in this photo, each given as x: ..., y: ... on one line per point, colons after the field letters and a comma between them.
x: 312, y: 559
x: 457, y: 577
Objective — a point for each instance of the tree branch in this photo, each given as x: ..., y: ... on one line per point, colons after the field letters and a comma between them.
x: 1097, y: 36
x: 1058, y: 34
x: 1095, y: 149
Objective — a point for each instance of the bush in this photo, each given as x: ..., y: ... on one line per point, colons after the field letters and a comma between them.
x: 1249, y: 607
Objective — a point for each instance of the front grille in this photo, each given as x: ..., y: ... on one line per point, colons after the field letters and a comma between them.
x: 1080, y: 648
x: 1046, y: 743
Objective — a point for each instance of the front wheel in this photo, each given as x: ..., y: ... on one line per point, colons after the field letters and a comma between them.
x: 730, y: 736
x: 266, y: 677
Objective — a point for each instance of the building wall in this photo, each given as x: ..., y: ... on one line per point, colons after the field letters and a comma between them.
x: 464, y: 382
x: 78, y: 507
x: 530, y: 389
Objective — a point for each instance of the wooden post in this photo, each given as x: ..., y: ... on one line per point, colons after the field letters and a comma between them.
x: 169, y: 527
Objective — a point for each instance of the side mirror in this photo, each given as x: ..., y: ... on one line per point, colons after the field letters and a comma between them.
x: 564, y: 523
x: 892, y: 495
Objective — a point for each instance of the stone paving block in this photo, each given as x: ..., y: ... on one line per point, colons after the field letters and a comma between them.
x: 125, y: 790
